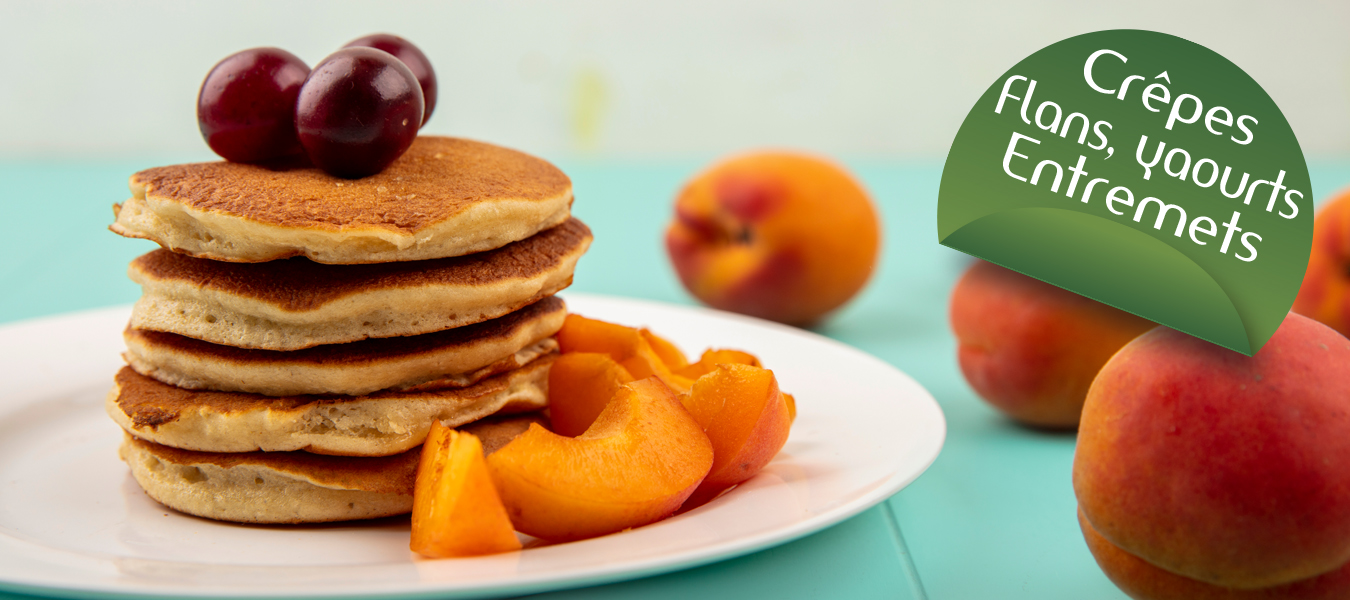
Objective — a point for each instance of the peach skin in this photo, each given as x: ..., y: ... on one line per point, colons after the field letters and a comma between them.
x: 638, y: 462
x: 456, y: 511
x: 780, y: 236
x: 1226, y: 469
x: 1324, y: 294
x: 1031, y: 349
x: 668, y: 353
x: 747, y: 419
x: 1144, y: 581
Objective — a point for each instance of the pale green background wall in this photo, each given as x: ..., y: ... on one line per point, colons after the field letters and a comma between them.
x: 601, y: 78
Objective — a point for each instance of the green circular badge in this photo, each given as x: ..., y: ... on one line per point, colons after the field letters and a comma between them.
x: 1141, y: 170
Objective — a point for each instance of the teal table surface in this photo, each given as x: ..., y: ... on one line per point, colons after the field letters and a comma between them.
x: 992, y: 518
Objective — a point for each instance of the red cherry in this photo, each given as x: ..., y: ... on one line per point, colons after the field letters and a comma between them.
x: 358, y: 111
x: 405, y: 51
x: 246, y: 107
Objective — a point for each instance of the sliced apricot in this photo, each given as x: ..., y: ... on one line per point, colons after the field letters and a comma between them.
x: 498, y: 430
x: 580, y: 384
x: 712, y: 358
x: 626, y: 345
x: 668, y: 352
x: 636, y: 464
x: 645, y: 362
x: 746, y: 418
x: 791, y: 407
x: 581, y: 334
x: 456, y: 510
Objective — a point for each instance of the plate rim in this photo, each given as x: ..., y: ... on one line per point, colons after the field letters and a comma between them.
x: 597, y: 575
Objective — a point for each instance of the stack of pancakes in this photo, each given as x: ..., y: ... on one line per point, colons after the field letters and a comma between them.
x: 298, y: 333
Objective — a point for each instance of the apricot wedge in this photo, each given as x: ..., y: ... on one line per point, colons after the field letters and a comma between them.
x: 628, y: 346
x: 668, y: 352
x: 456, y: 510
x: 645, y: 362
x: 582, y: 334
x: 747, y: 420
x: 711, y: 358
x: 580, y: 384
x: 636, y: 464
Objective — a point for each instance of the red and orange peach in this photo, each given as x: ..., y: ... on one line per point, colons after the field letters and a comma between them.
x: 1218, y: 468
x: 1143, y: 581
x: 1325, y: 293
x: 776, y: 235
x: 1032, y: 349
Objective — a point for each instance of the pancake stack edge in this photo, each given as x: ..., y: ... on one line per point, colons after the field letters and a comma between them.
x: 265, y: 386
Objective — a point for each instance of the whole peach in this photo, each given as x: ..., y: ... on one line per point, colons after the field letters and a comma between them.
x: 1219, y: 467
x: 776, y: 235
x: 1325, y: 294
x: 1144, y: 581
x: 1031, y: 349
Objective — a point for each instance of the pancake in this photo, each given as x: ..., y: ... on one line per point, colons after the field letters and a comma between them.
x: 498, y: 431
x: 443, y: 197
x: 456, y: 357
x: 273, y: 487
x: 378, y: 424
x: 297, y: 303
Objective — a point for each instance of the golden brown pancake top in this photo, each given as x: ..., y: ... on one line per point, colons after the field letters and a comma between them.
x: 150, y: 403
x: 367, y: 351
x: 299, y: 284
x: 380, y: 474
x: 436, y: 178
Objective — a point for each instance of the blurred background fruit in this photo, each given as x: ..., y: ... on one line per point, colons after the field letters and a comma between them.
x: 777, y: 235
x: 1325, y: 294
x: 1032, y: 349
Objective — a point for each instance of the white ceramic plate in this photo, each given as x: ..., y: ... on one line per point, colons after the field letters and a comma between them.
x: 74, y: 523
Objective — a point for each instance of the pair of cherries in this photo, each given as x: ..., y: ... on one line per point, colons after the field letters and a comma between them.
x: 353, y: 114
